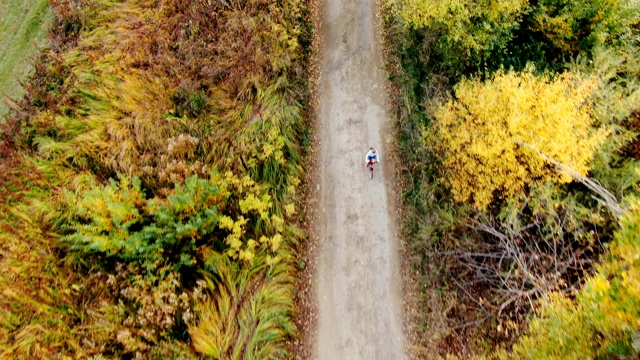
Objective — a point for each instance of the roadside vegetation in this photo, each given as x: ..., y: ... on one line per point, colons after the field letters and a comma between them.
x: 149, y: 183
x: 519, y: 125
x: 23, y: 31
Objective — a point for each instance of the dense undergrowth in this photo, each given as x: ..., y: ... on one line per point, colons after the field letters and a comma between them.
x: 519, y: 128
x: 149, y: 183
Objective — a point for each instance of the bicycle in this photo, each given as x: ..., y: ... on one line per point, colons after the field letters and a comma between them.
x: 370, y: 168
x: 372, y: 158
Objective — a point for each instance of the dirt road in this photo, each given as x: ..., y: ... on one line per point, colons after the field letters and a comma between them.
x: 358, y: 281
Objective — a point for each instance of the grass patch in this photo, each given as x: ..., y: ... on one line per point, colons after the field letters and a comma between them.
x: 23, y: 28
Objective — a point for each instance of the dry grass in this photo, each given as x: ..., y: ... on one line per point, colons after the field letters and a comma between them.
x: 161, y: 91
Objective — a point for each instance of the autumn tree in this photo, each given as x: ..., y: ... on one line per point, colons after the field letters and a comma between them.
x: 474, y: 25
x: 577, y: 26
x: 490, y: 135
x: 468, y: 30
x: 606, y: 310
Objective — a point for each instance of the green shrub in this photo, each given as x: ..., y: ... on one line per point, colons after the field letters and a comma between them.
x: 222, y: 214
x: 616, y: 100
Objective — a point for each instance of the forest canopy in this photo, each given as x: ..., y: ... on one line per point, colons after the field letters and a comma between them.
x: 519, y: 125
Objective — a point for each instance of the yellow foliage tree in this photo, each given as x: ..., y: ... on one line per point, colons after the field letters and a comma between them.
x: 488, y: 134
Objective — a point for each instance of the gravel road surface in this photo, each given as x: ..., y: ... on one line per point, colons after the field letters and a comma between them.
x: 357, y: 281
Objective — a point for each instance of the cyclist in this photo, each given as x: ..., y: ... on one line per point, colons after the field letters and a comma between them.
x: 372, y: 157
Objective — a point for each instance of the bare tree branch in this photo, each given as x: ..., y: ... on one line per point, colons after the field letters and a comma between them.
x: 606, y: 198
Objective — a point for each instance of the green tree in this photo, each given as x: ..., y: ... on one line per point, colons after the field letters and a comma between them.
x: 486, y: 135
x: 576, y: 26
x: 473, y: 25
x: 468, y: 30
